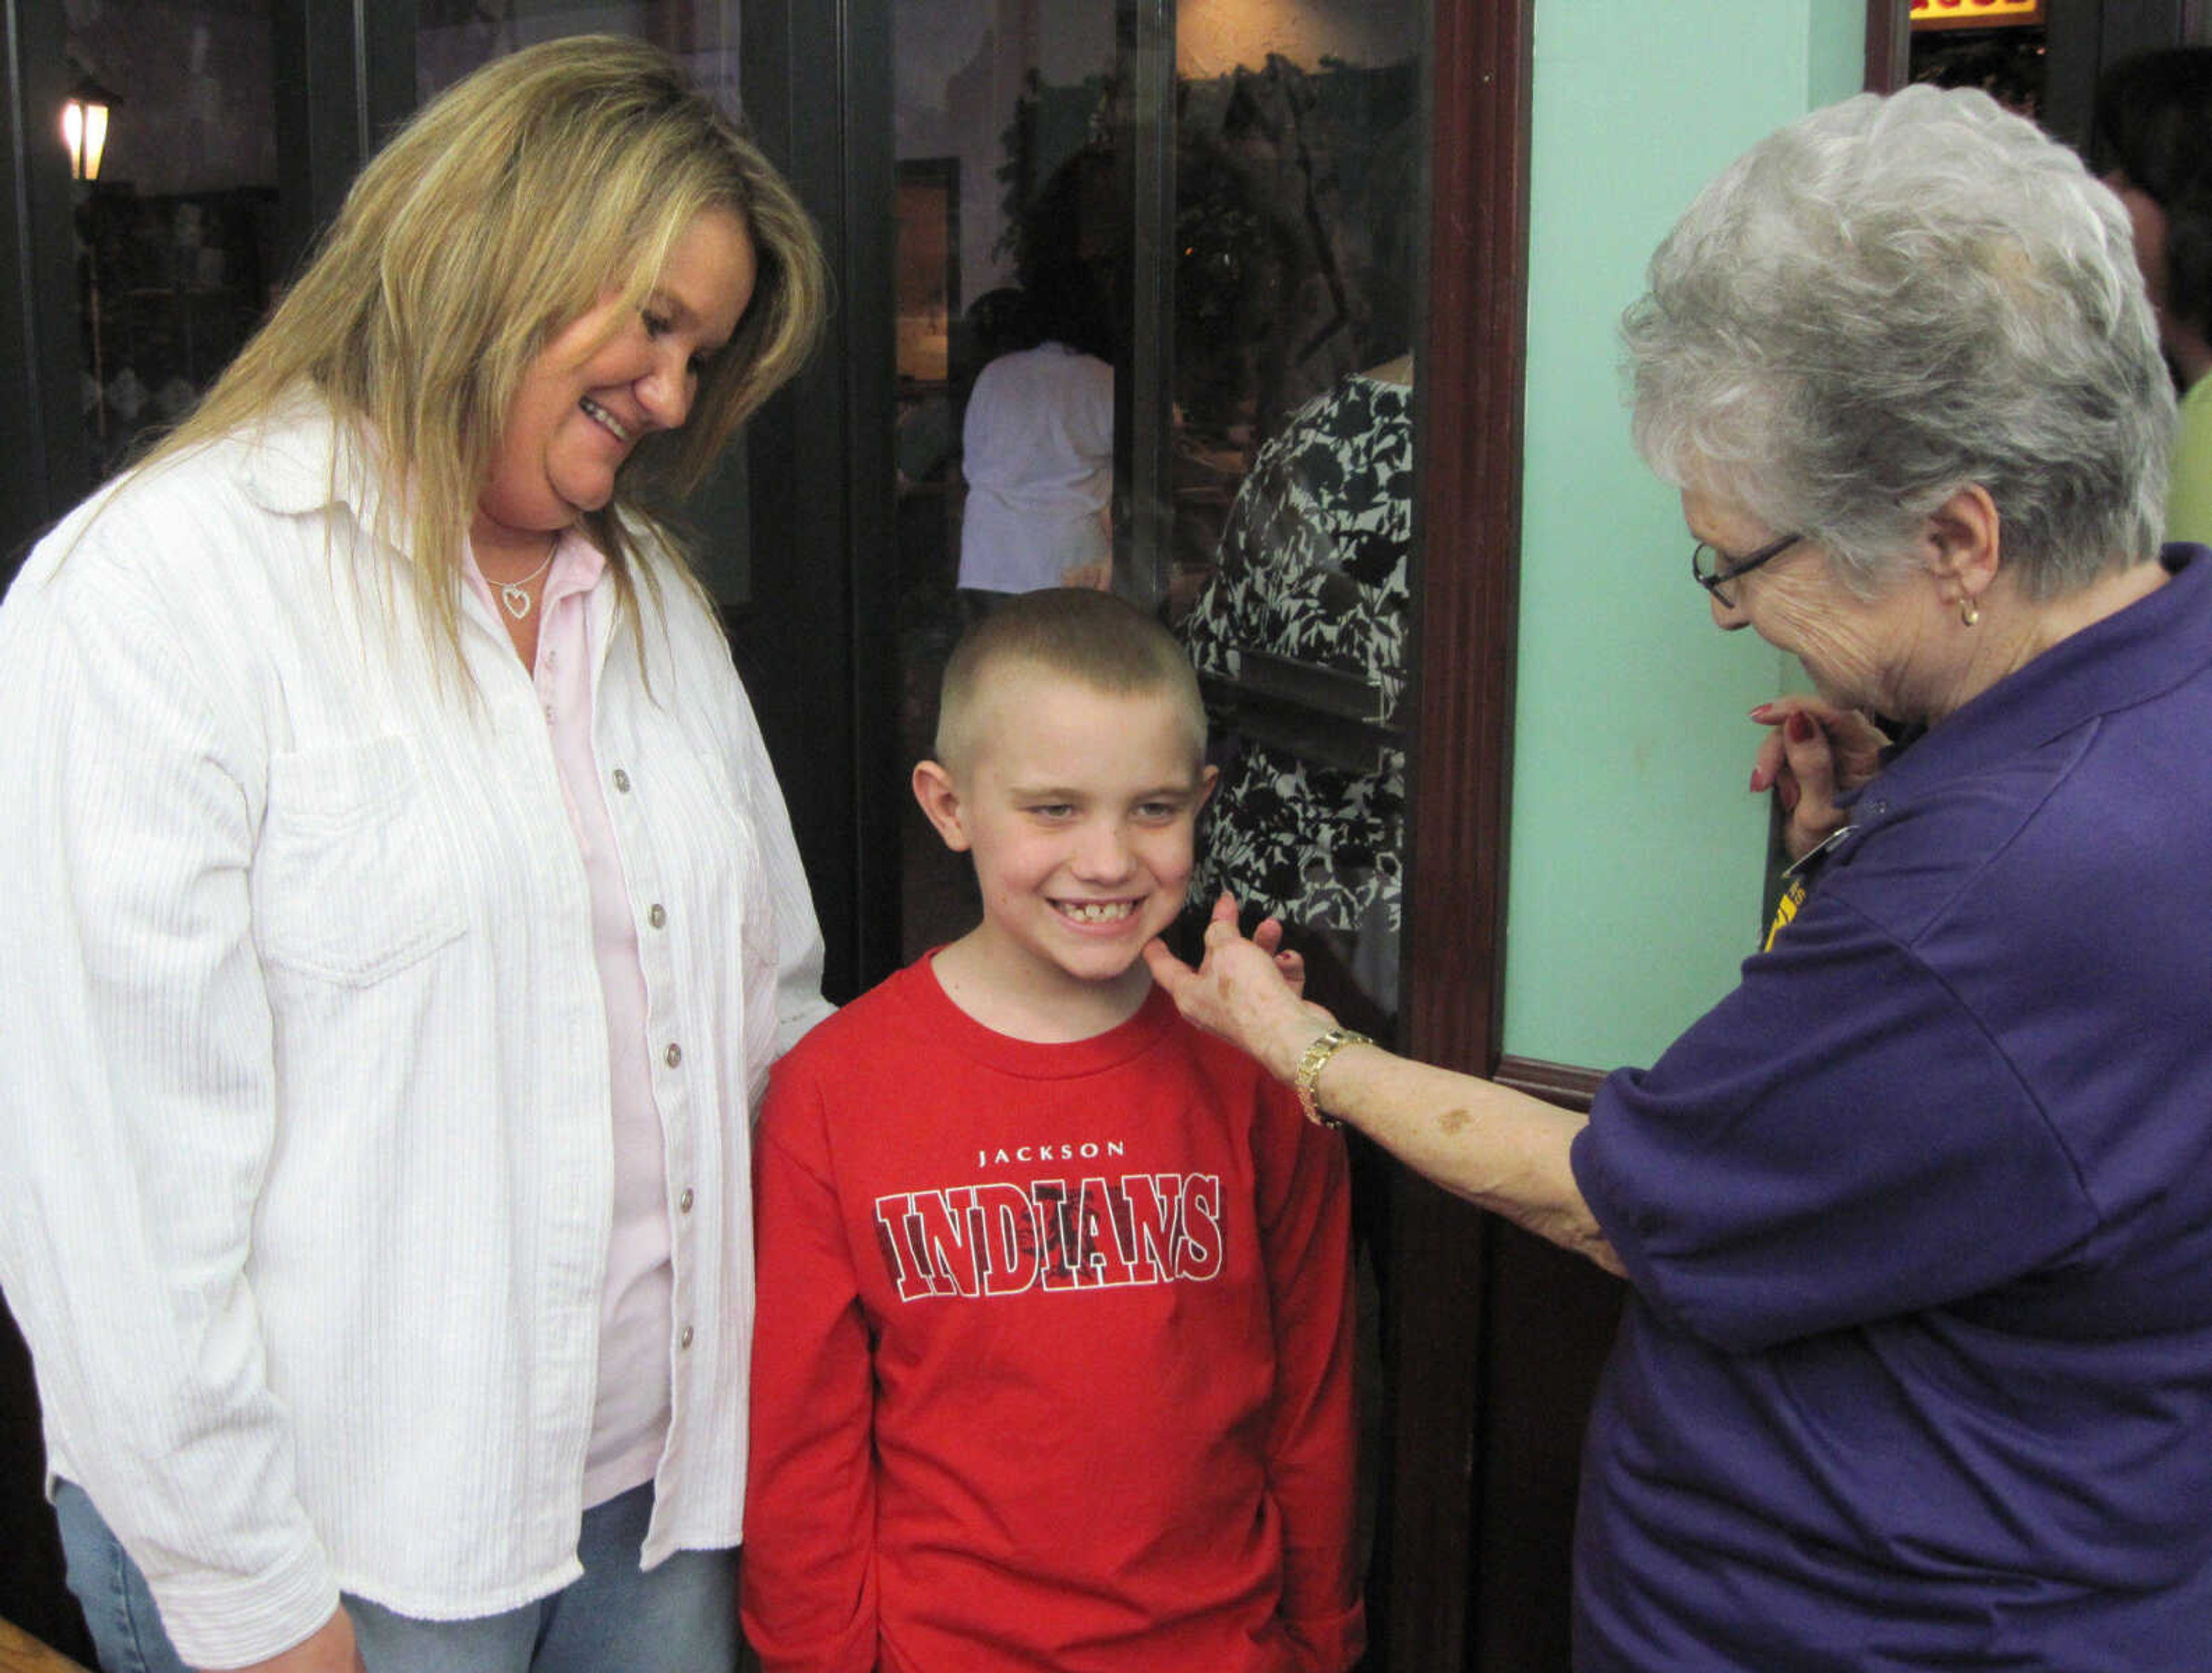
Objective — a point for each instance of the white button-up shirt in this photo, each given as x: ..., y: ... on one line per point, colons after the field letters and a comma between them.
x: 305, y: 1155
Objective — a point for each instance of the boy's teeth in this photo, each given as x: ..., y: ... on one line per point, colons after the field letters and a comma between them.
x: 1097, y: 912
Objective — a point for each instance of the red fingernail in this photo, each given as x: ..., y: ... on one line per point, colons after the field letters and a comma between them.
x: 1764, y: 711
x: 1800, y: 728
x: 1758, y: 778
x: 1789, y: 793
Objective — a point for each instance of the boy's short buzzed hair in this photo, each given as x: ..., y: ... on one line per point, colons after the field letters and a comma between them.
x: 1091, y: 637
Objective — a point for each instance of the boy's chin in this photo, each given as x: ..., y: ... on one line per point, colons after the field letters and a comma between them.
x: 1110, y: 963
x: 1108, y: 968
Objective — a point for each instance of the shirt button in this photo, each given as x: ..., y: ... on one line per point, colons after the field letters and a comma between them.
x: 683, y: 1203
x: 656, y: 916
x: 622, y: 781
x: 685, y: 1340
x: 673, y: 1055
x: 549, y: 714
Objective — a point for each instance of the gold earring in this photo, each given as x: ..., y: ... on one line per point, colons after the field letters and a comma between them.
x: 1967, y: 612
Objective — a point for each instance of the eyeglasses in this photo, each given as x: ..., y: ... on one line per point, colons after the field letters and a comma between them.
x: 1707, y: 565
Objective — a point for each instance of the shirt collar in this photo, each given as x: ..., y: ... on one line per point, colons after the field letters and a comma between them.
x: 304, y: 459
x: 578, y: 563
x: 2128, y: 657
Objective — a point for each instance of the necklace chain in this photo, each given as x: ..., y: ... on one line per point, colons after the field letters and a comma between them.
x: 515, y: 595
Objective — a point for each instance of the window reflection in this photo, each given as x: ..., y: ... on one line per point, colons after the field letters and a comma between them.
x: 1001, y: 125
x: 1293, y: 489
x: 1294, y: 211
x: 1291, y: 238
x: 454, y: 37
x: 1299, y: 639
x: 175, y: 239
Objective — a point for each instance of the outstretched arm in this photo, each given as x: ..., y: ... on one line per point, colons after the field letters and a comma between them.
x: 1498, y: 1148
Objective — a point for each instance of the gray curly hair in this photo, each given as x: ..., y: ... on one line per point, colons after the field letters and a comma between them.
x: 1891, y: 301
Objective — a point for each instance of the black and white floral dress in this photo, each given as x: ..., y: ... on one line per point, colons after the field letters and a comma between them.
x: 1312, y: 566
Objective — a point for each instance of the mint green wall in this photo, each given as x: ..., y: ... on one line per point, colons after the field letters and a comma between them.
x: 1637, y: 851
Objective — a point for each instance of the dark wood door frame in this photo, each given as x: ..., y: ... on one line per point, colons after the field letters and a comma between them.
x: 1888, y: 45
x: 1468, y: 396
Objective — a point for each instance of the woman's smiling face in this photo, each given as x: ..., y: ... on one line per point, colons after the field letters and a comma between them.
x: 612, y: 375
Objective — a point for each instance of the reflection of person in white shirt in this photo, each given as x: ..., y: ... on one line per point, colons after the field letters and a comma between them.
x: 1037, y: 451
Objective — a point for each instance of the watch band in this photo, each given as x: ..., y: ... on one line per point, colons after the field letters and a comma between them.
x: 1315, y: 1060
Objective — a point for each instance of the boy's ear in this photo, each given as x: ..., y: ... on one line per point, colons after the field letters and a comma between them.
x: 1206, y: 781
x: 939, y: 796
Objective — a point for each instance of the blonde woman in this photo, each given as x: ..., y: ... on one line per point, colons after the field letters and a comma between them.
x: 405, y: 915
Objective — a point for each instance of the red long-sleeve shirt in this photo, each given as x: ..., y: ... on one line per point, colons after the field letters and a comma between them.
x: 1052, y: 1368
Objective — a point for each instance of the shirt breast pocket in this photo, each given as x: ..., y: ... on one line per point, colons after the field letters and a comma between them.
x: 347, y: 884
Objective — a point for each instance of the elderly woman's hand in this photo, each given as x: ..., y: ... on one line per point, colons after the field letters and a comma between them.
x: 1247, y: 991
x: 1814, y: 753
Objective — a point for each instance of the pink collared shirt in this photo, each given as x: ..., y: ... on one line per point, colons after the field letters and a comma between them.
x: 629, y: 1419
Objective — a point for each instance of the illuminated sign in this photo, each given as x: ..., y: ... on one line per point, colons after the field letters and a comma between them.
x: 1974, y: 14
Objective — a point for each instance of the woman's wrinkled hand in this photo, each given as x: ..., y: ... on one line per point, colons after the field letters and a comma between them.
x: 1813, y: 753
x: 1246, y: 988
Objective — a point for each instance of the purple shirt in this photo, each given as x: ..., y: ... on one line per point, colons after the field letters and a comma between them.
x: 1917, y: 1371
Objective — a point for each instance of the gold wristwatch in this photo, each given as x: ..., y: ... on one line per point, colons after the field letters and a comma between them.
x: 1311, y: 1065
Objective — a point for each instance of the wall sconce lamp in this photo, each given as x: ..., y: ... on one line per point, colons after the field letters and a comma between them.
x: 84, y: 127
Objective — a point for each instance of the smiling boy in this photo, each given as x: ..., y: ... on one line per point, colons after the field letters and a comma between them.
x: 1053, y: 1365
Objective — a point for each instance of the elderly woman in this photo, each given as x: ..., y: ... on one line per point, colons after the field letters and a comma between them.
x: 402, y: 915
x: 1916, y: 1369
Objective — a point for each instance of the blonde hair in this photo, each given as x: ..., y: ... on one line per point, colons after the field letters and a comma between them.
x: 1077, y: 633
x: 506, y: 208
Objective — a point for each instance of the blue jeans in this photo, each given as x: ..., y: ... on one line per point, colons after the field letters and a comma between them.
x: 680, y: 1618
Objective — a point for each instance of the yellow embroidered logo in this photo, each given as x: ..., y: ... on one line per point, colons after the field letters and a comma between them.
x: 1785, y: 911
